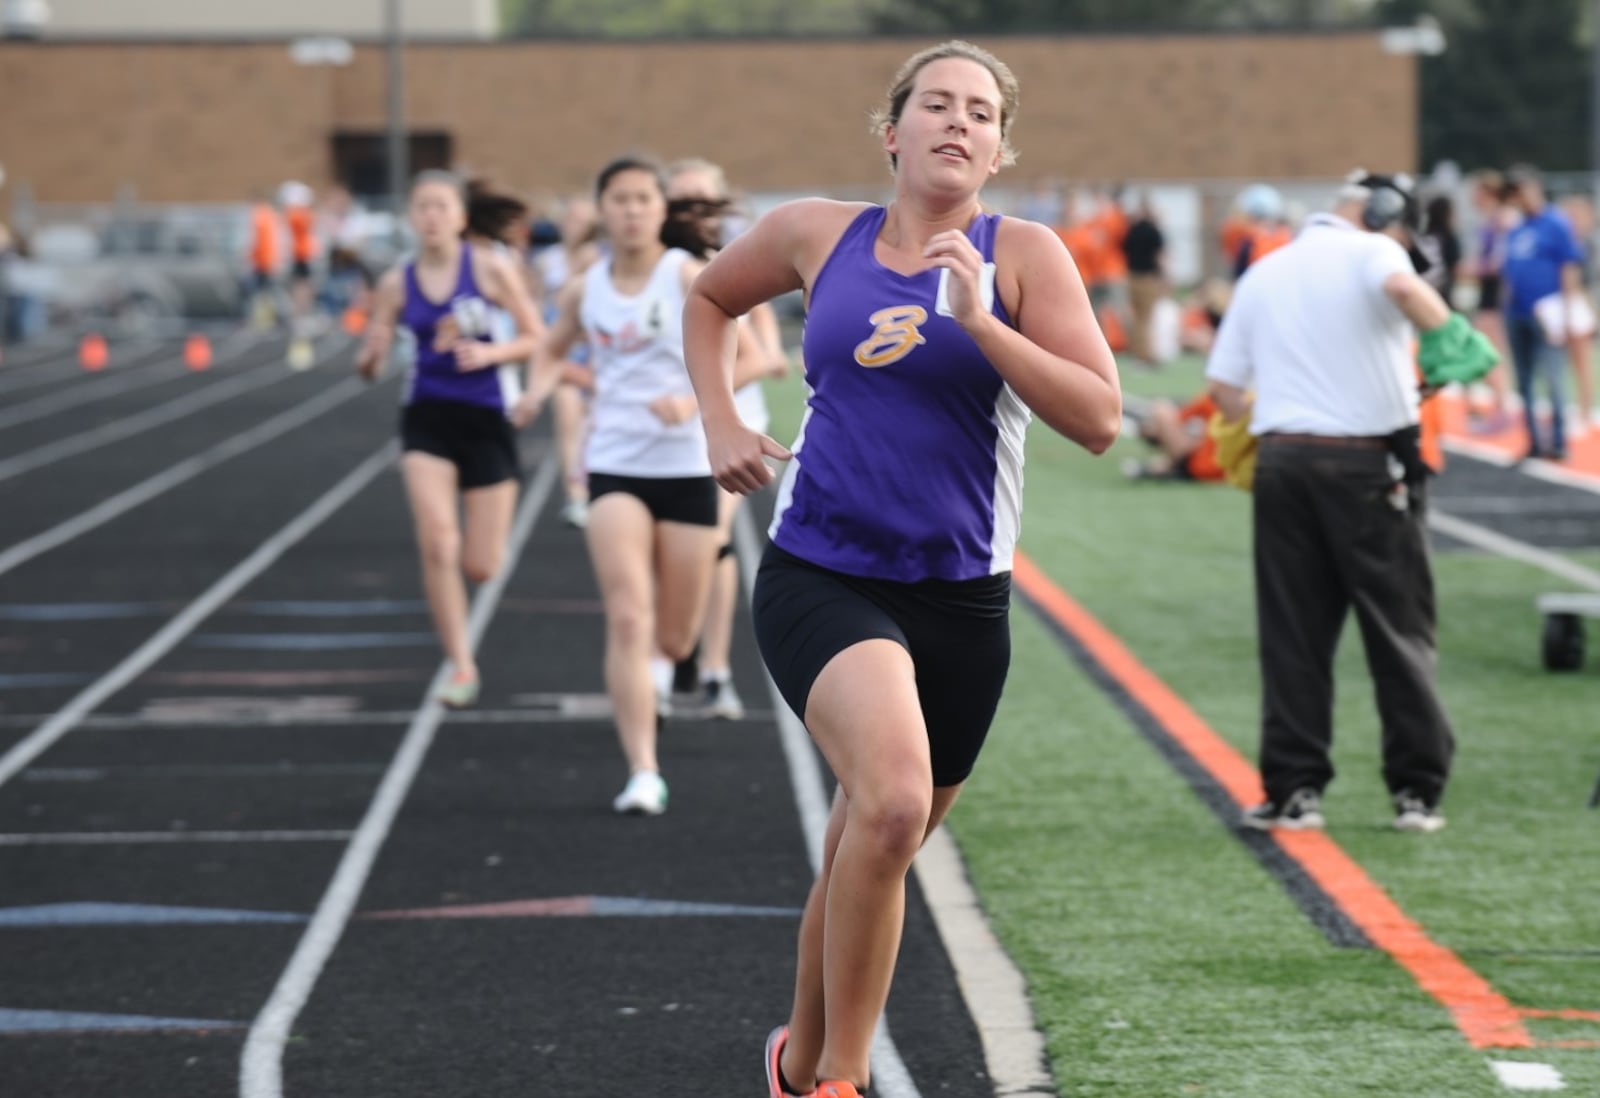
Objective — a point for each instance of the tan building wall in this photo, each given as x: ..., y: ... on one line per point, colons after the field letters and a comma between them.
x: 217, y: 121
x: 223, y: 18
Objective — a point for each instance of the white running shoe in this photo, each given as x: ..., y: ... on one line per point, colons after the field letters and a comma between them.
x: 661, y: 670
x: 722, y: 700
x: 575, y: 513
x: 644, y: 795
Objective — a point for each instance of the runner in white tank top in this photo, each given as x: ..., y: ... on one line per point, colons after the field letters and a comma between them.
x: 697, y: 193
x: 637, y: 342
x: 653, y: 505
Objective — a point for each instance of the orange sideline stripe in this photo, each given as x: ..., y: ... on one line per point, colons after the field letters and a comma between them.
x: 1583, y: 454
x: 1484, y: 1016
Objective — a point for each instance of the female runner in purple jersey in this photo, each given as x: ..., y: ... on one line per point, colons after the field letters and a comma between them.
x: 933, y: 330
x: 462, y: 407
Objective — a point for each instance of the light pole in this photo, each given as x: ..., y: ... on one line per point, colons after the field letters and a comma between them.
x: 1594, y: 102
x: 1424, y: 38
x: 399, y: 170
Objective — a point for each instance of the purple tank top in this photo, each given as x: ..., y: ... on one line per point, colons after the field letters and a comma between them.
x: 909, y: 461
x: 467, y: 315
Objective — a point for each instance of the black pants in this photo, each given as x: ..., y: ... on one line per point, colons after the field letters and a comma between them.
x: 1328, y: 537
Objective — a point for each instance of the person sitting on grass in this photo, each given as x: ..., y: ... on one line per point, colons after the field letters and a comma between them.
x: 1186, y: 449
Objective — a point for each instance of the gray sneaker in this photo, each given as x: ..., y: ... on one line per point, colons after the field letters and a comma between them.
x: 1302, y: 811
x: 1413, y: 813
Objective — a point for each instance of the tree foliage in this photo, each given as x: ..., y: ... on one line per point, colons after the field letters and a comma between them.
x: 1513, y: 84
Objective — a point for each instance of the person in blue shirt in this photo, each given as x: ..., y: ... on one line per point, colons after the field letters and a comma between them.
x: 1543, y: 257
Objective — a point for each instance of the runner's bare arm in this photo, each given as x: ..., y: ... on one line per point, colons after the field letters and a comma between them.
x: 506, y: 289
x: 1055, y: 359
x: 770, y: 259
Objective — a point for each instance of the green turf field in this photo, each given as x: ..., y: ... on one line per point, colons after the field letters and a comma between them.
x: 1161, y: 958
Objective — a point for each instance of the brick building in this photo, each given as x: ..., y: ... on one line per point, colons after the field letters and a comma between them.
x: 217, y: 120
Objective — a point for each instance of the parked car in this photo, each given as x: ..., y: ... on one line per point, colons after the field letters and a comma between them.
x: 141, y: 270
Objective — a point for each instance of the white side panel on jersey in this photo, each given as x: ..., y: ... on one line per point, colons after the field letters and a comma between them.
x: 1011, y: 419
x: 786, y: 486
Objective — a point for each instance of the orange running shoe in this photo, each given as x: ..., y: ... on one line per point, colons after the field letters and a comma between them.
x: 837, y: 1089
x: 775, y: 1042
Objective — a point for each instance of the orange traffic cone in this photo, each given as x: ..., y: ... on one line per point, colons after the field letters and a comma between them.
x: 92, y: 353
x: 197, y: 352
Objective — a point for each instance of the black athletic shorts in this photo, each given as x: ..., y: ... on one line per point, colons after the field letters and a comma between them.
x: 691, y: 500
x: 480, y: 441
x: 1489, y: 293
x: 300, y: 270
x: 958, y: 634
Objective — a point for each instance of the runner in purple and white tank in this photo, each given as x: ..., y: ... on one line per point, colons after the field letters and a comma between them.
x: 463, y: 404
x: 933, y: 330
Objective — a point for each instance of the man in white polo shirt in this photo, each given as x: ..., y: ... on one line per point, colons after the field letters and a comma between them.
x: 1322, y: 332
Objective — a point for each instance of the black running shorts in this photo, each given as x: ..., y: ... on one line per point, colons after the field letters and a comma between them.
x: 480, y: 441
x: 690, y: 500
x: 958, y: 634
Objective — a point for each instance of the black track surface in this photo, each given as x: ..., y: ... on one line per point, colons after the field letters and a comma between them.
x: 503, y: 810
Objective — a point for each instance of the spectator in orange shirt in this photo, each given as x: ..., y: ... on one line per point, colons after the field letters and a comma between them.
x: 300, y: 216
x: 266, y: 260
x: 1081, y: 235
x: 1260, y: 227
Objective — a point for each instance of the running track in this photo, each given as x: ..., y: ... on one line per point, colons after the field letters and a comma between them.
x: 211, y: 657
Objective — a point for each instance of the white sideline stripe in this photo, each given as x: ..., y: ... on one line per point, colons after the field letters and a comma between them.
x: 991, y: 983
x: 1522, y: 1075
x: 167, y: 638
x: 187, y: 469
x: 890, y: 1079
x: 1511, y: 548
x: 1538, y: 469
x: 261, y: 1066
x: 258, y: 377
x: 131, y: 838
x: 73, y: 398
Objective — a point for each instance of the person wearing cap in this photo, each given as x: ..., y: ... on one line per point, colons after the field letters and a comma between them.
x: 299, y: 215
x: 1322, y: 331
x: 1543, y: 263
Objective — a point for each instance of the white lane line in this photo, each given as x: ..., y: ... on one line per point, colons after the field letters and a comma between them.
x: 261, y: 1066
x: 259, y: 377
x: 890, y: 1079
x: 82, y: 774
x: 1547, y: 471
x: 47, y: 371
x: 268, y: 719
x: 1522, y: 1075
x: 168, y: 637
x: 992, y: 985
x: 148, y: 489
x: 75, y: 398
x: 140, y: 838
x: 1511, y: 548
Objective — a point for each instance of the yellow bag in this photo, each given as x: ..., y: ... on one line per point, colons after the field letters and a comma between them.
x: 1236, y: 449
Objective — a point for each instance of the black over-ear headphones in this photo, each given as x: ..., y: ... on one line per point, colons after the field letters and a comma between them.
x: 1389, y: 200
